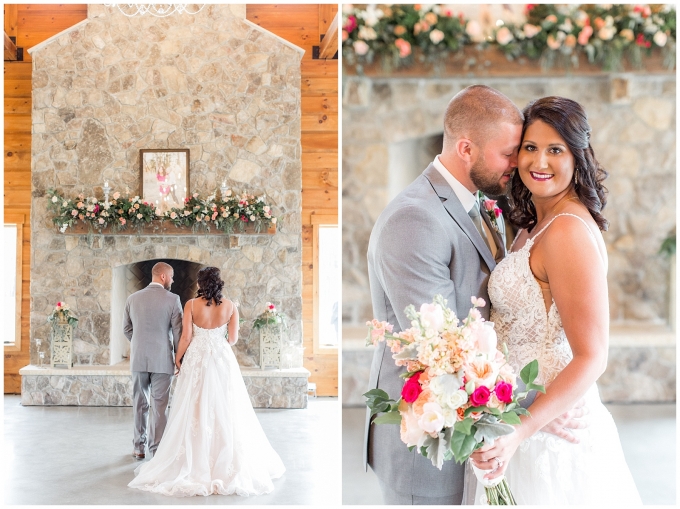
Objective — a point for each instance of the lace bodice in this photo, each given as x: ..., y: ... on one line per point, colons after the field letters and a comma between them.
x: 520, y: 317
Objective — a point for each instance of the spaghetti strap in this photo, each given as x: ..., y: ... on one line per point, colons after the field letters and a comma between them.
x: 564, y: 214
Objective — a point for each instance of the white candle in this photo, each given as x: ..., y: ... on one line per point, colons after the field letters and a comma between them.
x: 106, y: 184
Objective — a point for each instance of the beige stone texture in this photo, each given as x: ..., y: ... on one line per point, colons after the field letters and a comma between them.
x: 114, y: 85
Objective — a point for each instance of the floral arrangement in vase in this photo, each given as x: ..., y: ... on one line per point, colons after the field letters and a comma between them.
x: 62, y: 314
x: 270, y: 316
x: 227, y: 214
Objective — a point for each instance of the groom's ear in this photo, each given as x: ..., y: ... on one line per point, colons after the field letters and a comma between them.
x: 466, y: 150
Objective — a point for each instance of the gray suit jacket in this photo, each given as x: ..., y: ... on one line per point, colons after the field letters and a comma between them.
x: 423, y: 244
x: 153, y: 324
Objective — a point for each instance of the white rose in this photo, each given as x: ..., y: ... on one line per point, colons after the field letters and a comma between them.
x: 273, y: 220
x: 446, y: 384
x: 660, y: 38
x: 55, y: 199
x: 456, y: 399
x: 367, y: 33
x: 252, y: 218
x: 65, y: 204
x: 504, y: 36
x: 436, y: 36
x: 531, y: 30
x: 606, y: 33
x: 139, y: 216
x: 360, y: 48
x: 432, y: 420
x: 347, y: 8
x: 433, y: 315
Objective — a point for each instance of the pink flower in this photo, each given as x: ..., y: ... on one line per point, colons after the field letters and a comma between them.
x: 404, y: 47
x: 214, y: 215
x: 101, y: 221
x: 122, y: 220
x: 584, y: 35
x: 433, y: 314
x: 74, y: 212
x: 351, y: 24
x: 480, y: 396
x: 411, y: 389
x: 489, y: 204
x: 503, y: 392
x: 360, y: 48
x: 116, y: 195
x: 58, y: 304
x: 497, y: 212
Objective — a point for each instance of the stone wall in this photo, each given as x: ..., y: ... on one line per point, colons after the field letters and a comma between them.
x: 633, y: 121
x: 213, y: 83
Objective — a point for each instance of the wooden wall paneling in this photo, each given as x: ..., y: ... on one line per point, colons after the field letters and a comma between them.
x: 319, y: 81
x: 33, y: 23
x: 10, y: 19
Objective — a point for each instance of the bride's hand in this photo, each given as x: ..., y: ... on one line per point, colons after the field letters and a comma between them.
x: 496, y: 457
x: 177, y: 366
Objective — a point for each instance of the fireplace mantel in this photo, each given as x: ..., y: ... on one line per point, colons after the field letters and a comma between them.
x: 167, y: 228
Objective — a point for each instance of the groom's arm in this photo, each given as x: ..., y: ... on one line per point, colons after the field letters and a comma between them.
x: 127, y: 322
x: 413, y: 261
x: 176, y: 323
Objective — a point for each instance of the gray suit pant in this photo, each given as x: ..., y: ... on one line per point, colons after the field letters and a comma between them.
x: 391, y: 497
x: 156, y: 385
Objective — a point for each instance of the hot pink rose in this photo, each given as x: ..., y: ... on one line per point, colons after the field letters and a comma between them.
x: 351, y: 24
x: 503, y: 392
x: 480, y: 396
x: 411, y: 389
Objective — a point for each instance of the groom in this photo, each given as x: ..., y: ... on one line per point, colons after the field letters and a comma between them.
x: 435, y: 238
x: 153, y: 324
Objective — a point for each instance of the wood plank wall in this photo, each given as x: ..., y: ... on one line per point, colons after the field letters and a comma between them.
x: 299, y: 24
x: 31, y: 24
x: 303, y: 25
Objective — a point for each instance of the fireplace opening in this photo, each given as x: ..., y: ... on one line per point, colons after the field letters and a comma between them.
x: 127, y: 279
x: 408, y: 159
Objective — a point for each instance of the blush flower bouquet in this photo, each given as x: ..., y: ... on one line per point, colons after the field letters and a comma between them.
x: 459, y: 391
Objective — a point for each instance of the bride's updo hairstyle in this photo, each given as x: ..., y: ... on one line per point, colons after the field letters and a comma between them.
x: 210, y: 285
x: 569, y: 119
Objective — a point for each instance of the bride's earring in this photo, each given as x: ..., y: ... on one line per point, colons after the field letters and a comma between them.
x: 576, y: 176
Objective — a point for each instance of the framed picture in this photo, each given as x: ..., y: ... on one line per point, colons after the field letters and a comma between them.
x: 164, y: 177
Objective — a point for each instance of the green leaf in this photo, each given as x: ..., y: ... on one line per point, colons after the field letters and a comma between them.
x: 536, y: 387
x: 388, y: 418
x: 491, y: 429
x: 510, y: 418
x: 522, y: 411
x: 464, y: 426
x: 529, y: 372
x: 462, y: 446
x: 472, y: 409
x: 511, y: 406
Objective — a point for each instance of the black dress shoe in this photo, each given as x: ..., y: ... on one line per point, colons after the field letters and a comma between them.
x: 138, y: 455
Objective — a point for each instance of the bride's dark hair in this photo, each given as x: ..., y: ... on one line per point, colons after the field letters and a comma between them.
x: 569, y: 119
x: 210, y: 285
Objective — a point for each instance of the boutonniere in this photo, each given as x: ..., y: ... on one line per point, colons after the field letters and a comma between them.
x: 492, y: 210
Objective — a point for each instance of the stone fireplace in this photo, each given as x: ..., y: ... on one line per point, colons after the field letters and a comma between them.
x: 214, y: 83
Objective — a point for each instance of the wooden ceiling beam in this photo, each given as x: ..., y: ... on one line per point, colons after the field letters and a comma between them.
x: 10, y: 49
x: 329, y: 44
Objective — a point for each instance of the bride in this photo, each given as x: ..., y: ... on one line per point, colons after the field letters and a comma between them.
x: 213, y: 443
x: 549, y: 301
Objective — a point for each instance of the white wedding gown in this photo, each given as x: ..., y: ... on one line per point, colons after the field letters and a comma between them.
x: 547, y: 470
x: 213, y: 443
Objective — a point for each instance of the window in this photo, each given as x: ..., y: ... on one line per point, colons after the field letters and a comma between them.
x: 327, y: 262
x: 11, y: 285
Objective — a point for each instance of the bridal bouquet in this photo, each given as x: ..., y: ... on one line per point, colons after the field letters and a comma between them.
x: 459, y: 390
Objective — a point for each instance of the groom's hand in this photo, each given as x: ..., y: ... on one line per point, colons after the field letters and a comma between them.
x: 570, y: 420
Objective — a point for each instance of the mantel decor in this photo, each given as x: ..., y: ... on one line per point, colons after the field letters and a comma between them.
x: 404, y: 35
x: 271, y: 325
x: 229, y: 214
x: 61, y: 344
x: 164, y: 177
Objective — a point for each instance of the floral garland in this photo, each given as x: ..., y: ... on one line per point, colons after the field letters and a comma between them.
x: 551, y: 33
x: 121, y: 213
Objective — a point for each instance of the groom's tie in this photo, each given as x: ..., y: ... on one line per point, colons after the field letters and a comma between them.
x: 476, y: 218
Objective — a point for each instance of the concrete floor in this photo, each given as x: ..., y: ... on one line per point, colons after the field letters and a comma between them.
x: 647, y: 434
x: 79, y: 455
